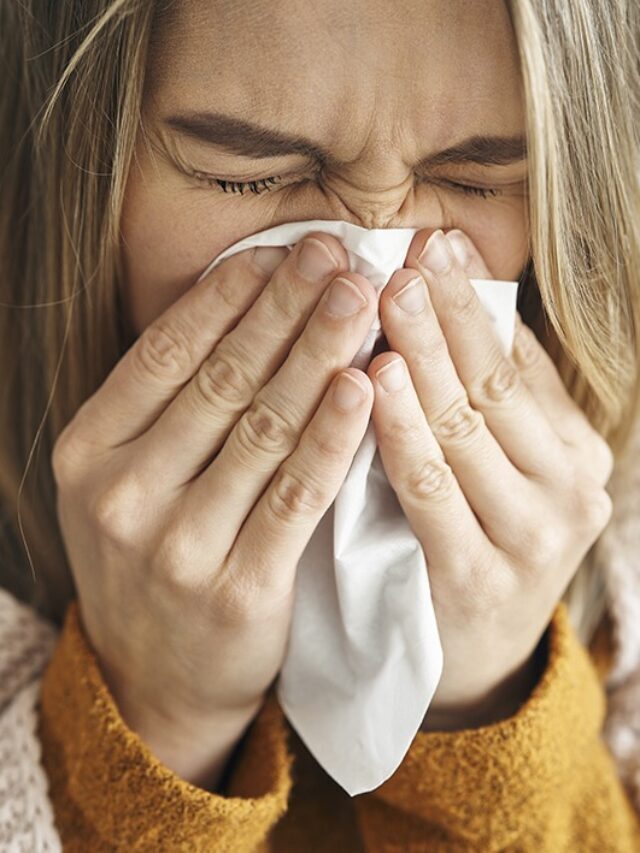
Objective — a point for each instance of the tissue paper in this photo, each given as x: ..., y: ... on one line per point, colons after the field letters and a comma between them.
x: 364, y: 657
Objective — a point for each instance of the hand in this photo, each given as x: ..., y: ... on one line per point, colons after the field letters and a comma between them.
x: 190, y: 483
x: 498, y: 471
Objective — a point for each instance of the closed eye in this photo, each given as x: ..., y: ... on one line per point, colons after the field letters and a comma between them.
x: 260, y: 185
x: 469, y: 189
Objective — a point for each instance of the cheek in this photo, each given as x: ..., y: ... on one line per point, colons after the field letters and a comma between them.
x: 167, y: 240
x: 501, y: 235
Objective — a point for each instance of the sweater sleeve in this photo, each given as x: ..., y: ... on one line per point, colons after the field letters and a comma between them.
x: 107, y: 789
x: 540, y: 780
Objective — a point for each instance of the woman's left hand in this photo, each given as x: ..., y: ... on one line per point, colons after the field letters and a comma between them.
x: 498, y: 471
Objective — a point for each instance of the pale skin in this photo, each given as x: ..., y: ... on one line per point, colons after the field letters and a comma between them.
x: 195, y: 476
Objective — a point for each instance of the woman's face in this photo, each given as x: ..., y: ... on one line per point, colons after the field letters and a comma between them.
x: 350, y: 106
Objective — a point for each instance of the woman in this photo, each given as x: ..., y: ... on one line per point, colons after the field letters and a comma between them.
x: 141, y: 139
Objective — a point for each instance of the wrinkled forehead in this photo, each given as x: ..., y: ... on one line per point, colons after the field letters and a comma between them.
x: 419, y: 68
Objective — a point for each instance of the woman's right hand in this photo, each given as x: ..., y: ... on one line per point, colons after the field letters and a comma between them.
x: 191, y: 481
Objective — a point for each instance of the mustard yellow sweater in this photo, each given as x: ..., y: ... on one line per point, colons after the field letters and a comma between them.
x: 541, y: 780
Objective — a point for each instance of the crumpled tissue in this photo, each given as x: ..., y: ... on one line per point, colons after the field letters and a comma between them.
x: 364, y: 657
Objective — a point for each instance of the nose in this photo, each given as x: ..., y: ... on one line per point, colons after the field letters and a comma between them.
x: 372, y: 206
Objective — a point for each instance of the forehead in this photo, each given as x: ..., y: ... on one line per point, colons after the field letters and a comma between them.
x: 400, y: 70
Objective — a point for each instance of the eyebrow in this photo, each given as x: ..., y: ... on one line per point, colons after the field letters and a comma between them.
x: 247, y: 139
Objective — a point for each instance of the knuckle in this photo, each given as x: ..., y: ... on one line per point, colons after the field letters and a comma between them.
x: 527, y: 351
x: 540, y: 547
x: 319, y: 350
x: 66, y: 459
x: 327, y: 444
x: 284, y: 303
x: 605, y: 456
x: 115, y: 511
x: 501, y: 383
x: 433, y: 349
x: 410, y: 434
x: 293, y: 496
x: 174, y: 559
x: 227, y: 288
x: 243, y: 594
x: 433, y: 480
x: 460, y: 422
x: 594, y: 507
x: 221, y: 379
x: 264, y: 430
x: 463, y: 304
x: 164, y: 350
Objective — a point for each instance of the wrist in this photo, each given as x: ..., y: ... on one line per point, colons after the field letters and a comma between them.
x: 199, y: 751
x: 501, y: 702
x: 194, y: 760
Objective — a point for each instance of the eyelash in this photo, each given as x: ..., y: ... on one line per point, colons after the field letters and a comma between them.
x: 240, y: 186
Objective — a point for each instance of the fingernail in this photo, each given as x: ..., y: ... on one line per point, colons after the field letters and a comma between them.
x: 344, y: 298
x: 412, y: 297
x: 269, y: 258
x: 436, y: 255
x: 392, y: 376
x: 347, y: 392
x: 315, y: 261
x: 460, y: 247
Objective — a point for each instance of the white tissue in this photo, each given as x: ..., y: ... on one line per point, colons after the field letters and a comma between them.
x: 364, y: 656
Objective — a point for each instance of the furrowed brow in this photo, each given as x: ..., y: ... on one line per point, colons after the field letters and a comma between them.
x: 242, y: 137
x: 247, y: 139
x: 485, y: 150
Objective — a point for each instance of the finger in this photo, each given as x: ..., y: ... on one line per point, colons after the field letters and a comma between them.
x: 274, y: 535
x: 492, y: 382
x: 492, y: 485
x: 201, y: 416
x: 469, y: 258
x: 270, y: 430
x: 169, y: 351
x: 426, y: 486
x: 540, y: 374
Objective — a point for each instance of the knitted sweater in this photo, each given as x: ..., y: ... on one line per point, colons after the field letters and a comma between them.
x: 72, y: 772
x: 561, y: 774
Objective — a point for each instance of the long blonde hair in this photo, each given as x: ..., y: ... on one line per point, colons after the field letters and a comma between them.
x: 71, y: 92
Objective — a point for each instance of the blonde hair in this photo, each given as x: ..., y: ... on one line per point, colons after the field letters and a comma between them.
x: 72, y: 87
